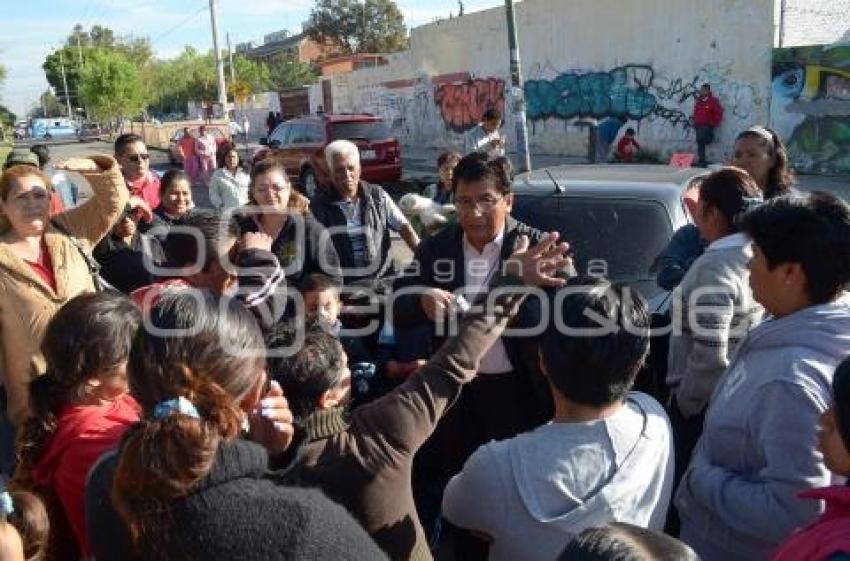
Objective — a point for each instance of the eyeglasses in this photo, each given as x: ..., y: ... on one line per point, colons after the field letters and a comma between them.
x: 484, y: 204
x: 136, y: 158
x: 275, y: 188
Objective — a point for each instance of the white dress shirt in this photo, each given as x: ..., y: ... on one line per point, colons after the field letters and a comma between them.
x: 480, y: 268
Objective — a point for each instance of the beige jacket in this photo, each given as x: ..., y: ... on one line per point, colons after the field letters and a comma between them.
x: 27, y: 303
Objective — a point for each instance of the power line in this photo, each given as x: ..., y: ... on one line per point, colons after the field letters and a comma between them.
x: 179, y: 25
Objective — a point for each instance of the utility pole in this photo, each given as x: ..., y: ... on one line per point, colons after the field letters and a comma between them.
x: 79, y: 50
x: 516, y: 89
x: 65, y: 85
x: 230, y: 56
x: 219, y: 64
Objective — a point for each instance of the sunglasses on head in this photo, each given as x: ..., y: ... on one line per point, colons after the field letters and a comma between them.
x: 136, y: 158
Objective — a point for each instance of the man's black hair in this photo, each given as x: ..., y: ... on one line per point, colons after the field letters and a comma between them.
x: 596, y: 341
x: 812, y: 230
x: 706, y: 85
x: 444, y: 157
x: 181, y: 245
x: 477, y: 166
x: 125, y: 140
x: 314, y: 368
x: 626, y: 542
x: 491, y: 114
x: 630, y: 131
x: 42, y: 152
x: 318, y: 282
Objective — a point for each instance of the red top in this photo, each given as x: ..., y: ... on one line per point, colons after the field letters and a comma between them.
x: 627, y: 147
x: 708, y: 111
x: 56, y: 205
x: 147, y: 188
x: 187, y: 145
x: 826, y: 536
x: 146, y: 297
x: 44, y: 267
x: 83, y: 434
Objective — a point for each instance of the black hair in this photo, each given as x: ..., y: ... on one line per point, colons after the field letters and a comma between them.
x: 812, y: 230
x: 780, y: 177
x: 181, y: 245
x: 309, y: 372
x: 265, y: 166
x: 447, y: 156
x: 170, y: 177
x: 732, y: 191
x: 42, y: 152
x: 597, y: 363
x: 706, y: 85
x: 491, y: 114
x: 125, y: 140
x: 626, y: 542
x: 841, y: 400
x: 318, y: 282
x: 208, y: 350
x: 477, y: 166
x: 222, y: 154
x: 630, y: 131
x: 90, y: 334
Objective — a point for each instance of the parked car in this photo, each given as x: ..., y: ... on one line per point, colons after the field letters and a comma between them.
x: 222, y: 142
x: 300, y: 143
x: 617, y: 220
x: 91, y: 131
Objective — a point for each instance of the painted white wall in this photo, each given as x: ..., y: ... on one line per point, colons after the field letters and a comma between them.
x: 814, y: 22
x: 663, y: 48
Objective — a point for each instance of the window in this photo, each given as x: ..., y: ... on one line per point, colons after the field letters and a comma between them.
x: 367, y: 130
x: 621, y: 238
x: 297, y: 134
x: 281, y: 134
x: 313, y: 134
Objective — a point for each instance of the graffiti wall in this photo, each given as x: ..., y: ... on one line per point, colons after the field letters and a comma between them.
x: 659, y: 104
x: 810, y: 106
x: 648, y: 71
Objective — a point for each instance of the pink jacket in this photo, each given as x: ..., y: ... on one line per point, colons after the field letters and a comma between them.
x: 826, y: 536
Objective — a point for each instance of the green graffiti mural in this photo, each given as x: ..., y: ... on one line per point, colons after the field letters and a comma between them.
x: 810, y: 105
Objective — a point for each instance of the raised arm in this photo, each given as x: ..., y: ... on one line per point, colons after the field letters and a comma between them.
x: 92, y: 220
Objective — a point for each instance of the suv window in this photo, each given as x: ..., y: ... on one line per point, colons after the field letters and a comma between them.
x: 281, y: 134
x: 369, y: 130
x: 313, y: 134
x: 623, y: 236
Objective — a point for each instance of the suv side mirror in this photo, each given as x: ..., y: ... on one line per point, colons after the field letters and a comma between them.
x: 264, y: 141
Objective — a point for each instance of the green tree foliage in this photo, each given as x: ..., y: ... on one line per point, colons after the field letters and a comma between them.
x: 48, y: 106
x: 289, y: 72
x: 256, y: 75
x: 188, y: 77
x: 111, y: 86
x: 376, y: 26
x: 7, y: 118
x: 2, y: 75
x: 79, y: 46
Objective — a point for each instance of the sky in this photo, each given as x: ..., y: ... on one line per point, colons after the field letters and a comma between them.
x: 31, y: 29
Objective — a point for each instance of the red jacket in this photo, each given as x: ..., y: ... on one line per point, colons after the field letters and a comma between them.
x: 708, y: 111
x: 84, y: 433
x: 627, y: 147
x: 826, y: 536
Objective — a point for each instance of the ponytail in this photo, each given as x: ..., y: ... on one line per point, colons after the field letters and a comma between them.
x: 165, y: 456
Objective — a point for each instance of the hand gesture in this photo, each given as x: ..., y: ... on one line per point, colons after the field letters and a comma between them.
x: 537, y: 265
x: 140, y: 208
x: 436, y: 303
x: 94, y: 164
x: 256, y: 240
x: 271, y: 422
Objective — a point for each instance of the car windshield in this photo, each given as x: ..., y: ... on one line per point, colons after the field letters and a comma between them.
x: 617, y: 238
x: 374, y: 130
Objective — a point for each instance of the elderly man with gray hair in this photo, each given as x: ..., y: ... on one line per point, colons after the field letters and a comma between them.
x: 359, y: 217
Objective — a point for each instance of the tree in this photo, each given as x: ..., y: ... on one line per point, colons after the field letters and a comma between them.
x: 111, y: 86
x: 48, y: 106
x: 289, y: 72
x: 255, y: 75
x: 2, y: 75
x: 79, y: 45
x: 375, y: 26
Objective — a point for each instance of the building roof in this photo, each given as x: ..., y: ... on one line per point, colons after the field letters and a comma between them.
x: 275, y: 47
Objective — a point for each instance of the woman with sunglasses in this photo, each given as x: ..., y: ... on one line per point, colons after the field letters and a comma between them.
x: 42, y: 266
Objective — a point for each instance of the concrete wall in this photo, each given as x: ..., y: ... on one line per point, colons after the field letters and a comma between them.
x: 813, y: 22
x: 810, y: 105
x: 582, y: 59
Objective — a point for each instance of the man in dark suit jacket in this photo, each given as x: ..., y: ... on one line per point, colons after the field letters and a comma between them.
x: 449, y: 269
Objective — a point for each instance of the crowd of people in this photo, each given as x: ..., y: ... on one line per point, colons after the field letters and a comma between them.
x: 258, y: 380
